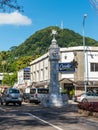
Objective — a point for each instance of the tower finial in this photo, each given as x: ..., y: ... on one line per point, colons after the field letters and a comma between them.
x: 54, y: 32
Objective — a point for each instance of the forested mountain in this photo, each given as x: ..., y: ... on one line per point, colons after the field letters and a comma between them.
x: 36, y: 45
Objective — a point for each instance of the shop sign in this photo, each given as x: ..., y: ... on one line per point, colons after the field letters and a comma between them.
x: 66, y: 67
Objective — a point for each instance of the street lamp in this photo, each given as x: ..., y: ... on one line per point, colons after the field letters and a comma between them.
x: 85, y: 15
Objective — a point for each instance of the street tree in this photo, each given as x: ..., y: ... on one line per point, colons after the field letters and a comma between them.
x: 6, y: 5
x: 10, y: 79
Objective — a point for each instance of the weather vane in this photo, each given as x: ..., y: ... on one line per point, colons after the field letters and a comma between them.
x: 54, y: 33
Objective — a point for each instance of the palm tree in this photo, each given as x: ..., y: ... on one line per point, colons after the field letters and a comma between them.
x: 3, y: 56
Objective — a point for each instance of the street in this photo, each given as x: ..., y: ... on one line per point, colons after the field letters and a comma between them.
x: 30, y: 116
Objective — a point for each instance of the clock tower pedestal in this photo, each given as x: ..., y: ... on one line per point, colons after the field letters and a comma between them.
x: 55, y: 98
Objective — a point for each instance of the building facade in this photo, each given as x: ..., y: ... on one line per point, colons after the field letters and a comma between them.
x: 40, y: 71
x: 85, y: 73
x: 24, y: 78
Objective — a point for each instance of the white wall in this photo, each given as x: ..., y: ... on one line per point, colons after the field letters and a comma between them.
x: 20, y: 77
x: 40, y: 70
x: 1, y: 76
x: 91, y: 57
x: 46, y: 69
x: 65, y: 58
x: 40, y: 67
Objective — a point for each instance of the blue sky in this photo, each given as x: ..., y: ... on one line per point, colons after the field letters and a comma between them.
x: 16, y: 27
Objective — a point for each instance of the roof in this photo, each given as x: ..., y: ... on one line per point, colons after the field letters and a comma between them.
x: 66, y: 80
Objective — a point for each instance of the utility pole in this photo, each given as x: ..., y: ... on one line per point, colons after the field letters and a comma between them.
x: 85, y: 65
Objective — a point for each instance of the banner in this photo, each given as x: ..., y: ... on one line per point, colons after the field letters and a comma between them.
x: 27, y: 75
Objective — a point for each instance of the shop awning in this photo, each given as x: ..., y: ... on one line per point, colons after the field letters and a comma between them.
x: 66, y: 80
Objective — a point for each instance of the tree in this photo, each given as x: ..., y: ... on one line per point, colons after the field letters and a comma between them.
x: 10, y: 79
x: 3, y: 57
x: 13, y: 48
x: 9, y: 4
x: 23, y: 62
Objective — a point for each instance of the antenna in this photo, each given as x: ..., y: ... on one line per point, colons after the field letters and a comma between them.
x: 62, y: 25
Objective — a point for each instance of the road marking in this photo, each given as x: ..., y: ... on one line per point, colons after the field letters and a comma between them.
x: 2, y: 109
x: 58, y: 128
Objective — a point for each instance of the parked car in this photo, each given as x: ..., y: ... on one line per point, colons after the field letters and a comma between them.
x: 11, y: 95
x: 36, y: 95
x: 74, y: 98
x: 87, y: 97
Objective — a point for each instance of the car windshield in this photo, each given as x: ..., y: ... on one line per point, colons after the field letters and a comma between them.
x: 43, y: 91
x: 32, y: 91
x: 13, y: 91
x: 91, y: 94
x: 40, y: 91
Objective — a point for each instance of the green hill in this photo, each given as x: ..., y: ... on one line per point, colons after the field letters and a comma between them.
x: 37, y: 44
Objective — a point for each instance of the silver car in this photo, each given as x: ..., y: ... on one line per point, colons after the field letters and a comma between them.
x: 87, y: 97
x: 11, y: 95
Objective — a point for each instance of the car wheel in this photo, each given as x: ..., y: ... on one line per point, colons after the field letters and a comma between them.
x: 26, y: 100
x: 1, y: 103
x: 30, y: 101
x: 6, y: 103
x: 20, y: 104
x: 84, y: 100
x: 36, y: 102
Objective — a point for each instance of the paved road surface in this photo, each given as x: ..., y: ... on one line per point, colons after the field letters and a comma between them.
x: 37, y: 117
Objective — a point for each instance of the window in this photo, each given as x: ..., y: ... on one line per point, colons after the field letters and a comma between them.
x: 13, y: 91
x: 94, y: 67
x: 43, y: 91
x: 32, y: 91
x: 39, y: 90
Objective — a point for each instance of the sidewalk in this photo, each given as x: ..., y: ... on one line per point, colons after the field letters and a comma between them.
x: 83, y: 117
x: 72, y: 102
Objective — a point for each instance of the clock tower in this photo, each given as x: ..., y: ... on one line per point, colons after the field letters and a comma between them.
x: 55, y: 98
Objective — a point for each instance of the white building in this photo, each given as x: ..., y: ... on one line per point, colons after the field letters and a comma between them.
x: 40, y: 73
x: 1, y: 77
x: 87, y: 69
x: 24, y: 78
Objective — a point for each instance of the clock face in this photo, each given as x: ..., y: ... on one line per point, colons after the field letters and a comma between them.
x: 54, y: 53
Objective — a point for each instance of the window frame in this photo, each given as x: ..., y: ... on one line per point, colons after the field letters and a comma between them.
x: 94, y: 67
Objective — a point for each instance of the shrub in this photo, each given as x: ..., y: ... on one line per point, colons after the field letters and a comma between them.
x: 89, y: 106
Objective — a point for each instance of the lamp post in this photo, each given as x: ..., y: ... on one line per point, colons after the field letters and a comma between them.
x: 85, y: 15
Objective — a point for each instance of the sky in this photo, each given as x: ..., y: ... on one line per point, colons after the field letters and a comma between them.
x: 16, y: 27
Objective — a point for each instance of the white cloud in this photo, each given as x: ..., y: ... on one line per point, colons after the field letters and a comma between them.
x: 14, y: 18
